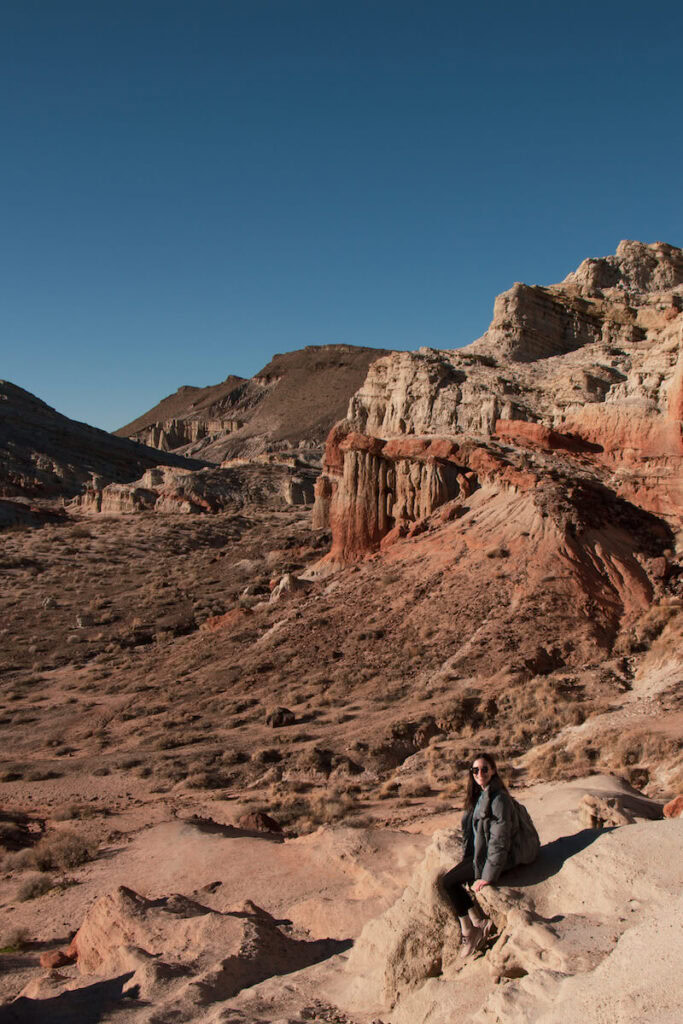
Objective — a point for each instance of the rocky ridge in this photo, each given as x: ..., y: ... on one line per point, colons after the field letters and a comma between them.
x: 291, y: 403
x: 46, y: 455
x: 209, y: 490
x: 259, y: 441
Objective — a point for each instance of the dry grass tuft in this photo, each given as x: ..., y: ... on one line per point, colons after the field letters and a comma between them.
x: 56, y: 852
x: 34, y: 886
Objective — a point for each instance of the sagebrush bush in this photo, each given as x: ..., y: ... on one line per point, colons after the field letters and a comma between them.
x: 14, y: 939
x: 34, y: 886
x: 55, y: 852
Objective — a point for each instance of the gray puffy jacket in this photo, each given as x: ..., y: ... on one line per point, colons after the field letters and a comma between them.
x: 489, y: 833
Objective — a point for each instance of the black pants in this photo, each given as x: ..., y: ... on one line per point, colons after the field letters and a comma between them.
x: 452, y: 883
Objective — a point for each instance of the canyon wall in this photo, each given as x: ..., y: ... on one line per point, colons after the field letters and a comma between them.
x: 166, y: 435
x: 581, y: 381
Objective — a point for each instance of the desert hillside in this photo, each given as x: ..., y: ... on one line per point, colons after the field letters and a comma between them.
x: 236, y: 723
x: 44, y: 455
x: 291, y: 403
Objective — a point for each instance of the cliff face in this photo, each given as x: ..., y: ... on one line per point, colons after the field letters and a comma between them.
x: 584, y: 378
x: 167, y: 435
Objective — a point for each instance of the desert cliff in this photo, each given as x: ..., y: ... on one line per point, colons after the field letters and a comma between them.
x: 583, y: 378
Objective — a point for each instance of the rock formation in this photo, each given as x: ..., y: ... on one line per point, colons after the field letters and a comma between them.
x: 581, y: 380
x: 550, y: 944
x: 212, y: 490
x: 183, y: 954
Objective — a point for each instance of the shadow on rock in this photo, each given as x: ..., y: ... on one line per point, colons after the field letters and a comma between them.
x: 207, y: 826
x: 552, y: 857
x: 86, y: 1005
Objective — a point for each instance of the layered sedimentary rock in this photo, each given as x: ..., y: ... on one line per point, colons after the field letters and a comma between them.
x: 166, y: 489
x: 175, y: 433
x: 549, y: 951
x: 581, y: 380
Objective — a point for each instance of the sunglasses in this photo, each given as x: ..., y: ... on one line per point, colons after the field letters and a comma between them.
x: 482, y: 771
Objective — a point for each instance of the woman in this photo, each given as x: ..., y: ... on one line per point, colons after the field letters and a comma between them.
x: 488, y: 827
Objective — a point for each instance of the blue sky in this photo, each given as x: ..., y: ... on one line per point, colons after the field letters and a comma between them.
x: 189, y: 187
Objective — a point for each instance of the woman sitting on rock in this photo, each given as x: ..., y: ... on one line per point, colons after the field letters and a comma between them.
x: 490, y: 828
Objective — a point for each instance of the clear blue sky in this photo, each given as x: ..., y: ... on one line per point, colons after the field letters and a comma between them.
x: 189, y: 187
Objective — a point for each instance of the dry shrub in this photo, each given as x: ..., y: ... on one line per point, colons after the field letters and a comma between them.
x: 536, y: 711
x: 209, y: 780
x: 332, y: 806
x: 655, y: 620
x: 360, y: 821
x: 555, y: 761
x: 638, y: 747
x: 306, y: 813
x: 12, y: 835
x: 498, y: 552
x: 70, y: 812
x: 639, y: 755
x: 81, y: 531
x: 14, y: 940
x: 41, y: 774
x: 388, y: 789
x: 670, y: 639
x: 34, y: 886
x: 415, y: 788
x: 55, y: 852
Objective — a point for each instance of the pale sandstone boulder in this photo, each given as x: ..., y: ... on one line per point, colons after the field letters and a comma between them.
x: 184, y: 955
x: 289, y: 585
x: 410, y: 942
x: 596, y: 811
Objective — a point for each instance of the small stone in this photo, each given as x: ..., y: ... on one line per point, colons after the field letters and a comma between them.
x: 279, y: 717
x: 54, y: 958
x: 674, y: 808
x: 257, y: 821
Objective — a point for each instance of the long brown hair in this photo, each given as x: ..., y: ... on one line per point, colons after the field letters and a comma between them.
x: 473, y: 787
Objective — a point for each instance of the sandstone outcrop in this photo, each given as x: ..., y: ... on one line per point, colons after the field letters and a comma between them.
x: 549, y: 943
x: 674, y: 808
x: 167, y: 489
x: 184, y: 954
x: 582, y: 379
x: 166, y: 435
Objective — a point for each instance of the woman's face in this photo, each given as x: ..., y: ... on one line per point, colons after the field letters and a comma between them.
x: 481, y: 770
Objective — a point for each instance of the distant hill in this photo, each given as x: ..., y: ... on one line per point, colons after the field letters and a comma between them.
x: 295, y: 398
x: 45, y: 454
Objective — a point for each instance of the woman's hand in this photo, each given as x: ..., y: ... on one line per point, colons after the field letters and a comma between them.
x: 479, y: 884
